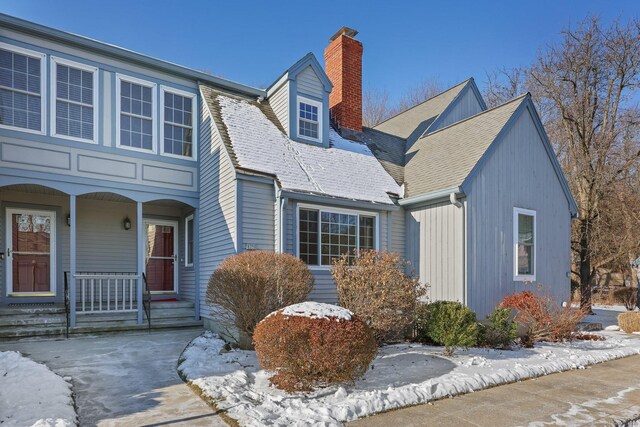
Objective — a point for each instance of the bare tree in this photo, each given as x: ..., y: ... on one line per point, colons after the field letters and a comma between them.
x: 585, y: 87
x: 376, y: 107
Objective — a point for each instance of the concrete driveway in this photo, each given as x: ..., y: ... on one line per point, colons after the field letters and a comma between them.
x: 125, y: 379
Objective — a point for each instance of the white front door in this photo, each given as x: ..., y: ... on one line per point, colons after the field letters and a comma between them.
x: 161, y: 255
x: 30, y: 256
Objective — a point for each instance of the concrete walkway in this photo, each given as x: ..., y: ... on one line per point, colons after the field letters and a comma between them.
x: 125, y: 379
x: 604, y: 394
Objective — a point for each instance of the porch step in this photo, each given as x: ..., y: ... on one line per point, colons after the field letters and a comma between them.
x: 32, y: 309
x: 32, y: 320
x: 13, y: 332
x: 105, y: 327
x: 171, y: 304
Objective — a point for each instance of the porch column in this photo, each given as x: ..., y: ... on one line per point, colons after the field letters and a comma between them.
x: 140, y: 252
x: 72, y: 261
x: 196, y: 260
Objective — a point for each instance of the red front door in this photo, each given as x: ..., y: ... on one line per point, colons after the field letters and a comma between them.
x: 161, y: 255
x: 30, y: 255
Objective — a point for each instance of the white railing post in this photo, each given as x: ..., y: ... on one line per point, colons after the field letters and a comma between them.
x: 72, y: 261
x: 141, y: 248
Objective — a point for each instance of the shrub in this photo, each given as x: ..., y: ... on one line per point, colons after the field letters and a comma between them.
x: 627, y: 296
x: 451, y: 324
x: 375, y: 287
x: 312, y: 344
x: 543, y: 318
x: 500, y: 330
x: 421, y: 321
x: 629, y: 321
x: 248, y: 286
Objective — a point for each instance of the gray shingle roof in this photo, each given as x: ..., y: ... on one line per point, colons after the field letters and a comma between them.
x: 444, y: 158
x: 410, y: 124
x: 388, y: 149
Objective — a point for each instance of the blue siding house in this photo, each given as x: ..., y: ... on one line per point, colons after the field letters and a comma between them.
x: 125, y: 180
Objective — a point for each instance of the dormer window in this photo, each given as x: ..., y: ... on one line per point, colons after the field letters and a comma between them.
x: 309, y: 119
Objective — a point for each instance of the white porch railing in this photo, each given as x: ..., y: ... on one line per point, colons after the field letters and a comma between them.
x: 106, y: 292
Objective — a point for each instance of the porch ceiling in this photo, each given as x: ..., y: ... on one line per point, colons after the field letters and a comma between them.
x: 32, y: 188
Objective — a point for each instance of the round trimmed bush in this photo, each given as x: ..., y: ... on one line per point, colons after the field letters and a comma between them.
x: 629, y: 321
x: 499, y: 331
x: 311, y: 345
x: 248, y: 286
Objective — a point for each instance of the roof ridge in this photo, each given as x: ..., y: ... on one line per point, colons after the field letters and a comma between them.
x: 425, y: 101
x: 504, y: 104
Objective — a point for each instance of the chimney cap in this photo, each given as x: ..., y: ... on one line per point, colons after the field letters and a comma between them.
x: 349, y: 32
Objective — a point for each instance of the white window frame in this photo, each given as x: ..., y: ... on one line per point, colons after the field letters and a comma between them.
x: 313, y: 103
x: 154, y: 112
x: 194, y: 122
x: 186, y: 240
x: 54, y: 88
x: 43, y: 87
x: 320, y: 209
x: 524, y: 277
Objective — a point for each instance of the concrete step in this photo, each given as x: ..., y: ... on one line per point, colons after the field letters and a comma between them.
x: 105, y: 327
x: 33, y: 310
x: 27, y: 320
x: 9, y: 333
x: 172, y: 312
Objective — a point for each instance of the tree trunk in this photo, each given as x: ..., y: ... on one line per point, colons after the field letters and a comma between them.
x: 585, y: 267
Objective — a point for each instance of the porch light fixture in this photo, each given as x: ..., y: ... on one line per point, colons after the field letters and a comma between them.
x: 127, y: 223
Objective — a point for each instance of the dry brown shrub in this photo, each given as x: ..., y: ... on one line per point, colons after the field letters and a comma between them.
x: 306, y: 353
x: 248, y: 286
x: 629, y: 321
x: 377, y: 289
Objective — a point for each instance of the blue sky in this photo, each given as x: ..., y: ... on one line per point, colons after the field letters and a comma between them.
x: 253, y: 42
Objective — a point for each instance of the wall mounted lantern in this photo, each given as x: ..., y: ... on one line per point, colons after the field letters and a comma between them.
x: 127, y: 223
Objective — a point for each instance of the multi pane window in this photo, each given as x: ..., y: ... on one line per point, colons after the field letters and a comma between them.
x: 136, y: 115
x: 188, y: 225
x: 178, y: 124
x: 74, y: 102
x: 524, y: 236
x: 308, y: 120
x: 325, y: 235
x: 20, y: 90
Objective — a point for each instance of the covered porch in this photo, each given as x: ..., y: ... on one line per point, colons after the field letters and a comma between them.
x: 95, y: 260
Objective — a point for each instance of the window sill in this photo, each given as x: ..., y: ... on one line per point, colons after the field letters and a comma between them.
x: 523, y: 278
x: 73, y: 138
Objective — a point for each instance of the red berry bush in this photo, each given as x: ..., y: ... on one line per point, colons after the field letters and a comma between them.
x: 311, y: 345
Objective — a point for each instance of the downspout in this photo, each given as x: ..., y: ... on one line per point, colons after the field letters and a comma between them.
x: 282, y: 203
x: 455, y: 202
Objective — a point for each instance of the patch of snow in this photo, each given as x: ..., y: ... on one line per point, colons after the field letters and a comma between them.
x: 347, y: 169
x: 316, y: 310
x: 401, y: 375
x: 32, y: 395
x: 612, y: 328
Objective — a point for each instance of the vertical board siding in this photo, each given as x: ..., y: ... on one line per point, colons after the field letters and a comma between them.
x: 308, y: 83
x: 279, y: 102
x: 465, y: 107
x: 397, y: 233
x: 217, y: 225
x: 435, y: 249
x: 517, y: 174
x: 258, y: 220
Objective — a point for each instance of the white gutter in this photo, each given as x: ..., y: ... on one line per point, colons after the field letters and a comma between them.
x: 429, y: 196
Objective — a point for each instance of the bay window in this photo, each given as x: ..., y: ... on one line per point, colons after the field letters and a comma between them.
x: 325, y: 235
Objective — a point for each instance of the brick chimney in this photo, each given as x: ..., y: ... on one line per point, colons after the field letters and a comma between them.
x: 343, y: 64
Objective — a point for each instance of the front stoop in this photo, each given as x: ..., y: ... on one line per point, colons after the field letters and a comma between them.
x: 51, y: 321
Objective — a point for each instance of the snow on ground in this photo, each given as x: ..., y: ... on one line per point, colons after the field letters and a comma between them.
x: 32, y: 395
x: 401, y: 375
x: 605, y: 314
x: 316, y: 310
